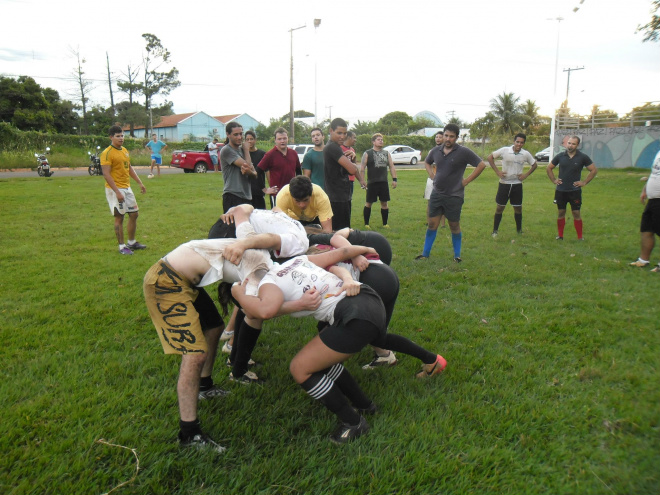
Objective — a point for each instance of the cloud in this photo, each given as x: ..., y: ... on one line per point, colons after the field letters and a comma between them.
x: 11, y: 55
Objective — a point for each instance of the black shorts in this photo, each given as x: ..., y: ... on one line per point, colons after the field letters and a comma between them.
x: 341, y: 214
x: 359, y: 320
x: 574, y: 198
x: 230, y: 200
x: 259, y: 202
x: 651, y: 217
x: 378, y: 190
x: 449, y: 206
x: 509, y: 192
x: 222, y: 230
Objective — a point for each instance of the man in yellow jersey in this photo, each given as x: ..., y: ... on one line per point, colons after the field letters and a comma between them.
x: 117, y: 170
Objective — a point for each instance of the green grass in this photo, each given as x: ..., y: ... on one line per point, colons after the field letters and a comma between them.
x: 551, y: 387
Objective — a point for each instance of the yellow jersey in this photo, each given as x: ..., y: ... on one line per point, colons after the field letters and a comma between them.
x: 119, y: 162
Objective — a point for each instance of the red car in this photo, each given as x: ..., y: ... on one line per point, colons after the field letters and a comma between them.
x: 193, y: 161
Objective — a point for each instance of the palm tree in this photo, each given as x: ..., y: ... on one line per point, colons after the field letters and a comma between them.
x: 530, y: 115
x: 505, y: 108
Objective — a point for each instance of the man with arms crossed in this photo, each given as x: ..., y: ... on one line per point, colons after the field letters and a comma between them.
x: 117, y: 171
x: 156, y: 147
x: 450, y: 160
x: 236, y: 168
x: 569, y: 186
x: 281, y: 163
x: 511, y: 179
x: 651, y: 217
x: 377, y: 161
x: 312, y: 165
x: 337, y: 167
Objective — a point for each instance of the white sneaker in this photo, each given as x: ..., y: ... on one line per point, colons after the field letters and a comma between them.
x: 379, y: 362
x: 226, y: 335
x: 227, y: 348
x: 150, y: 176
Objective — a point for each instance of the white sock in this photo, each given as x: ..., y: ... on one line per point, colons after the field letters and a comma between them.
x: 122, y: 246
x: 130, y: 243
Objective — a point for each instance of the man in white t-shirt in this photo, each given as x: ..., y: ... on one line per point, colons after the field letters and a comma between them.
x: 650, y: 226
x: 213, y: 148
x: 511, y: 179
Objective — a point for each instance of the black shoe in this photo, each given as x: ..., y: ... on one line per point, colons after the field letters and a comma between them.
x: 212, y: 393
x: 458, y: 259
x: 347, y: 433
x: 370, y: 410
x: 202, y: 442
x: 559, y: 238
x: 247, y: 379
x: 421, y: 257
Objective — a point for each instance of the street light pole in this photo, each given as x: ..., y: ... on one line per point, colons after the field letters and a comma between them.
x: 292, y: 136
x: 317, y: 23
x: 553, y: 122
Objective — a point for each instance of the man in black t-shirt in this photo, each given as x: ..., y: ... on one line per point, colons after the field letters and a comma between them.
x: 337, y: 167
x: 569, y: 186
x: 377, y: 161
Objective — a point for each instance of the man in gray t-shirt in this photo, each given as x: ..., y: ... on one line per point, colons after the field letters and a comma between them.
x: 236, y: 168
x: 450, y: 160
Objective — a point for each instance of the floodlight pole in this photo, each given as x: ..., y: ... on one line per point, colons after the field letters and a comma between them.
x: 553, y: 122
x: 317, y: 23
x: 292, y: 136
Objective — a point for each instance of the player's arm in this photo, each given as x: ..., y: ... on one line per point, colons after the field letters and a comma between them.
x: 352, y: 169
x: 350, y: 286
x: 491, y: 162
x: 642, y: 197
x: 530, y: 172
x: 551, y: 174
x: 392, y: 170
x: 234, y: 251
x: 363, y: 163
x: 592, y: 173
x: 132, y: 173
x: 340, y: 239
x: 476, y: 173
x: 335, y: 256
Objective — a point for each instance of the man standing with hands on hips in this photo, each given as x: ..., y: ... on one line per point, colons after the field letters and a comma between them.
x: 569, y: 186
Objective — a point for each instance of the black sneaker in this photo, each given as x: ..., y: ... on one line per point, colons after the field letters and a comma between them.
x: 202, y: 442
x: 248, y: 378
x: 559, y: 238
x: 458, y: 259
x: 212, y: 393
x: 135, y: 246
x: 347, y: 433
x: 421, y: 257
x: 370, y: 410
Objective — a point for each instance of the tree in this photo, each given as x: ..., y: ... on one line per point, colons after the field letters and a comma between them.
x: 505, y: 109
x: 646, y: 113
x: 652, y: 28
x: 23, y: 104
x: 457, y: 121
x: 484, y: 127
x: 84, y: 86
x: 529, y: 115
x: 600, y: 118
x: 395, y: 123
x: 132, y: 88
x: 420, y: 123
x: 128, y: 113
x: 366, y: 127
x: 156, y: 82
x: 65, y: 117
x: 100, y: 119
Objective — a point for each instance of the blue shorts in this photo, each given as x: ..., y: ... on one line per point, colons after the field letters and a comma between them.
x: 214, y: 159
x: 158, y: 159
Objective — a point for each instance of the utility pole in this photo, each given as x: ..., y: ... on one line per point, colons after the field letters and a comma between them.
x: 330, y: 107
x: 292, y: 135
x: 112, y: 99
x: 317, y: 23
x: 568, y: 81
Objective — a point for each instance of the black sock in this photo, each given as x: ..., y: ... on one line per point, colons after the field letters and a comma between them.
x: 367, y: 214
x: 188, y: 429
x: 247, y: 340
x: 518, y: 217
x: 348, y: 386
x: 240, y: 317
x: 323, y: 389
x: 384, y: 213
x: 496, y: 222
x: 205, y: 383
x: 398, y: 343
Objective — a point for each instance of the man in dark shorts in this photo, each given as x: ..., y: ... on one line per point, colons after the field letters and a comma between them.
x: 651, y: 217
x: 377, y: 161
x: 451, y: 160
x: 237, y: 168
x: 569, y: 186
x: 337, y: 167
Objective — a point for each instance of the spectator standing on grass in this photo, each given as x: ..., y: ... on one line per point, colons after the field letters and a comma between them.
x: 237, y: 168
x: 281, y: 163
x: 337, y: 167
x: 377, y: 161
x: 305, y: 202
x: 430, y: 170
x: 213, y: 148
x: 156, y: 147
x: 569, y: 186
x: 349, y: 152
x: 117, y: 172
x: 258, y: 183
x: 511, y: 179
x: 650, y: 226
x: 312, y: 165
x: 448, y: 193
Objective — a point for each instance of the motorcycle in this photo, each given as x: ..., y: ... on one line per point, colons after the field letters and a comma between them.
x: 95, y: 162
x: 43, y: 167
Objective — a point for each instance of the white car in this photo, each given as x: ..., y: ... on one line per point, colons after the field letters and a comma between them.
x: 404, y: 154
x: 301, y: 149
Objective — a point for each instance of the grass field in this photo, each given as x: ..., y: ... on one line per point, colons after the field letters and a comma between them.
x: 553, y: 347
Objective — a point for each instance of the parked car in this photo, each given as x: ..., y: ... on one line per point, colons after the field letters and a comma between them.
x: 404, y: 154
x: 193, y: 161
x: 301, y: 149
x: 544, y: 155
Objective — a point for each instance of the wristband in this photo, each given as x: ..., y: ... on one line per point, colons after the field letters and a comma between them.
x: 393, y: 179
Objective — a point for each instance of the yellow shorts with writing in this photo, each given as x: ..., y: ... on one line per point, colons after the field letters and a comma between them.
x: 179, y: 311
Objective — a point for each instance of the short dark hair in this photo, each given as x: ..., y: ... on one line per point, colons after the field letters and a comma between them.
x: 316, y: 129
x: 250, y: 133
x: 300, y: 187
x: 115, y: 129
x: 575, y: 137
x: 338, y: 122
x: 350, y: 134
x: 280, y: 130
x: 520, y: 135
x: 231, y: 126
x: 452, y: 128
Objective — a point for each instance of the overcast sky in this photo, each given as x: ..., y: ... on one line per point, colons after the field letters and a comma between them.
x: 371, y: 57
